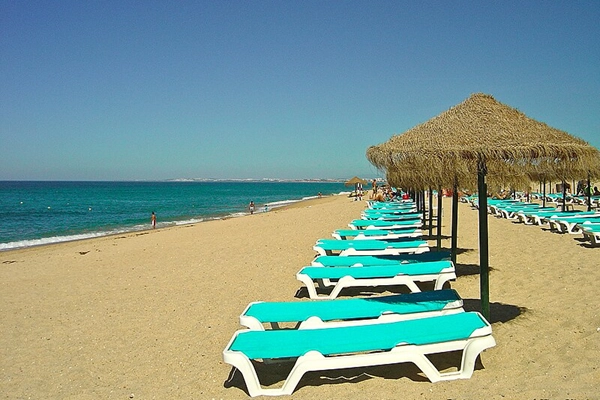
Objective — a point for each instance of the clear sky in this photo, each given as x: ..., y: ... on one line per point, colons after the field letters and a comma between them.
x: 127, y: 90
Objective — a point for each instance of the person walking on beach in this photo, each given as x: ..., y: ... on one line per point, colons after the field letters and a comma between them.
x: 153, y: 220
x: 251, y: 207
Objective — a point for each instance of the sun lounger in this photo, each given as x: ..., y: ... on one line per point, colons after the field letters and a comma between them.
x: 568, y: 224
x: 591, y: 232
x: 364, y: 261
x: 376, y: 234
x: 511, y: 212
x: 391, y: 217
x: 360, y: 346
x: 375, y: 205
x: 385, y: 211
x: 329, y: 247
x: 572, y: 225
x: 338, y: 278
x: 375, y: 224
x: 347, y: 312
x: 541, y: 217
x: 533, y: 216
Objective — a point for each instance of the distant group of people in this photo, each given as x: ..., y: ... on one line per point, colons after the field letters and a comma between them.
x: 583, y: 189
x: 387, y: 193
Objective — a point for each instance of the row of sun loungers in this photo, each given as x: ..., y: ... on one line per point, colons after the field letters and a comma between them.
x: 326, y: 333
x: 571, y: 222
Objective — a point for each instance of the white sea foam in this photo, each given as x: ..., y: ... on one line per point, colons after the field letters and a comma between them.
x: 55, y: 239
x: 282, y: 203
x: 190, y: 221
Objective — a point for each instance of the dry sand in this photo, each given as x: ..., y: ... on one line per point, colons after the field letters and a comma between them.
x: 147, y: 315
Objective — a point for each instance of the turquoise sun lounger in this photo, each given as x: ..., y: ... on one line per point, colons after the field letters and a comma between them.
x: 591, y: 232
x: 391, y: 217
x: 360, y: 346
x: 348, y: 312
x: 328, y: 247
x: 391, y: 212
x: 571, y: 224
x: 376, y: 224
x: 365, y: 261
x: 339, y: 278
x: 391, y: 205
x: 377, y: 234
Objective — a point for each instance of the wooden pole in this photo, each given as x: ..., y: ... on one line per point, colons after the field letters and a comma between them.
x: 422, y: 194
x: 544, y: 194
x: 454, y: 222
x: 439, y: 219
x: 484, y: 270
x: 430, y: 212
x: 589, y: 194
x: 564, y: 188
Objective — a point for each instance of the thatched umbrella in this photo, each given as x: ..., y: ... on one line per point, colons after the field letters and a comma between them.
x: 355, y: 181
x: 477, y: 136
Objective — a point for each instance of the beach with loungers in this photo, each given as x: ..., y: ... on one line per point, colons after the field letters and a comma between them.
x: 152, y: 314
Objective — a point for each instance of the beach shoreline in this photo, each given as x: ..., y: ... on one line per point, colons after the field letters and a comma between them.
x: 279, y: 205
x: 148, y: 314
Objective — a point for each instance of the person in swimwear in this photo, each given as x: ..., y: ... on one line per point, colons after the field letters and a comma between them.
x: 251, y: 207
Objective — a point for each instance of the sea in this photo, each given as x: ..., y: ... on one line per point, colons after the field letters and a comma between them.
x: 38, y: 213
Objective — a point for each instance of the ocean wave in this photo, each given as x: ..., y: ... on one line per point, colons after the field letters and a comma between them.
x: 56, y: 239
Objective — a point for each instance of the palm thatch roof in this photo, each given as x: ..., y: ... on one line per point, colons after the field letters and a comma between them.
x: 354, y: 181
x: 514, y: 147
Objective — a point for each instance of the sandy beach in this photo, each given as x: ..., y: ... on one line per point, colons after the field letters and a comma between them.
x: 147, y: 315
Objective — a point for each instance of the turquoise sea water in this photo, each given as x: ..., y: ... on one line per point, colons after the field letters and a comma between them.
x: 34, y: 213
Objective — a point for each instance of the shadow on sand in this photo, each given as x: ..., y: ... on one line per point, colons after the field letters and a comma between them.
x: 499, y: 312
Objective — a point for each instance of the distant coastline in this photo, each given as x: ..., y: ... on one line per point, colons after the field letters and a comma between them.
x: 315, y: 180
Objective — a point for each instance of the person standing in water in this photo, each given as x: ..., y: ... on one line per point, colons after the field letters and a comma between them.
x: 153, y: 220
x: 251, y: 207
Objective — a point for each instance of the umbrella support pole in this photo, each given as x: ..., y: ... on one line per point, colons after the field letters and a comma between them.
x: 439, y: 219
x: 454, y: 222
x: 544, y: 194
x: 564, y: 193
x: 430, y: 212
x: 589, y: 194
x: 422, y: 194
x: 484, y: 272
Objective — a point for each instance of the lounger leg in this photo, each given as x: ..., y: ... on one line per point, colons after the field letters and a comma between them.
x: 310, y: 285
x: 471, y: 349
x: 439, y: 283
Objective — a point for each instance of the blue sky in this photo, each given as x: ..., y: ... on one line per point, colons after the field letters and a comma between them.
x: 126, y: 90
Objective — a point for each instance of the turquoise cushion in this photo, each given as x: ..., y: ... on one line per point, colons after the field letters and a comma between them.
x: 375, y: 222
x: 337, y: 261
x: 333, y: 244
x: 386, y: 271
x: 347, y: 309
x: 375, y: 337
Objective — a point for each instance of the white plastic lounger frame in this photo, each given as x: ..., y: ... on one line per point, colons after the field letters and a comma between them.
x: 373, y: 224
x: 382, y: 234
x: 591, y: 235
x: 405, y: 350
x: 348, y: 312
x: 394, y: 248
x: 573, y: 226
x: 439, y: 278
